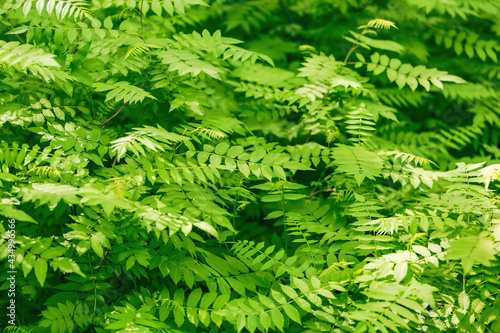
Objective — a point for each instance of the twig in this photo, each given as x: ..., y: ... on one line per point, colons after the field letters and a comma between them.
x: 88, y: 294
x: 173, y: 153
x: 142, y: 27
x: 120, y: 108
x: 76, y: 47
x: 314, y: 193
x: 353, y: 48
x: 11, y: 28
x: 113, y: 115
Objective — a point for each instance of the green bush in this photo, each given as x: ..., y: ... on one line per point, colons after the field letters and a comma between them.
x: 256, y: 166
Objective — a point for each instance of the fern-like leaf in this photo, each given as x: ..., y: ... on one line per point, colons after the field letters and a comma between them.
x: 381, y: 23
x: 139, y: 49
x: 407, y: 157
x: 360, y: 124
x: 123, y: 91
x: 357, y: 161
x: 156, y: 139
x: 72, y: 8
x: 335, y: 267
x: 489, y: 174
x: 186, y: 62
x: 405, y: 74
x: 25, y: 56
x: 208, y: 132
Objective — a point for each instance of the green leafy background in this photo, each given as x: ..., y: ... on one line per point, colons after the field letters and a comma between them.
x: 251, y: 166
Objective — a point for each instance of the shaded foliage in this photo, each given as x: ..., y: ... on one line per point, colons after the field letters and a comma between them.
x: 261, y: 166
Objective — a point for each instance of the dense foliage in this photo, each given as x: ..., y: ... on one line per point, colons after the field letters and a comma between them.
x: 251, y: 166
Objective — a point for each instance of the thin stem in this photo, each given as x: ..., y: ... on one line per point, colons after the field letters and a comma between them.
x: 10, y: 28
x: 119, y: 109
x: 91, y: 100
x: 318, y: 191
x: 76, y: 47
x: 349, y: 54
x: 308, y: 137
x: 354, y: 47
x: 173, y: 152
x: 284, y: 217
x: 117, y: 112
x: 235, y: 212
x: 90, y: 292
x: 142, y: 26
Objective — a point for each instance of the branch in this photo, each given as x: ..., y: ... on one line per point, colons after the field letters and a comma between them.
x: 308, y: 136
x: 113, y: 115
x: 142, y: 26
x: 314, y: 193
x: 121, y: 108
